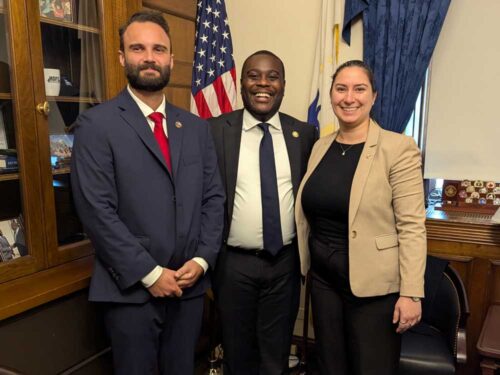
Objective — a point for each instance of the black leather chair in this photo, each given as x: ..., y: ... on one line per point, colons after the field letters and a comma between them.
x: 438, y: 343
x: 8, y: 371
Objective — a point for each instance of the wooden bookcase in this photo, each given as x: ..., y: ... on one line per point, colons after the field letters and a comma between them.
x: 83, y: 47
x: 37, y: 196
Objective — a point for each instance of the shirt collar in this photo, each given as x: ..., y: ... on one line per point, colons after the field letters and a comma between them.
x: 146, y: 109
x: 250, y: 122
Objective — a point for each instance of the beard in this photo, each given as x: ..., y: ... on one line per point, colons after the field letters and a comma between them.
x: 150, y: 84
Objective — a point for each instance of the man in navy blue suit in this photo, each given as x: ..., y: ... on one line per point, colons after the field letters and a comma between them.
x: 147, y: 188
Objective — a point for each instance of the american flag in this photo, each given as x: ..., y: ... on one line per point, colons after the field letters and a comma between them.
x: 213, y: 86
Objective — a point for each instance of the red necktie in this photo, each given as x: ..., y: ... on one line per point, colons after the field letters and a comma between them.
x: 161, y: 138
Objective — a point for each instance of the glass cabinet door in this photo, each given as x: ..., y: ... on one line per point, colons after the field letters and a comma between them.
x: 21, y: 237
x: 73, y: 76
x: 12, y: 239
x: 57, y: 59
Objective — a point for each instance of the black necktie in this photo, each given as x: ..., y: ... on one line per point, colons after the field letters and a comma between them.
x: 271, y: 222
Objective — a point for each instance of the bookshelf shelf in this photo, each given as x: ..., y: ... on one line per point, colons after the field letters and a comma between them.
x: 73, y: 99
x: 58, y: 171
x: 9, y: 176
x: 70, y: 25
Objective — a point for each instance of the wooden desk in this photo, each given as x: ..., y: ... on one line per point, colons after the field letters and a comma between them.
x: 489, y: 341
x: 472, y: 245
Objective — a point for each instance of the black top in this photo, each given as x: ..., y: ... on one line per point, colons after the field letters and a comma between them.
x: 325, y: 198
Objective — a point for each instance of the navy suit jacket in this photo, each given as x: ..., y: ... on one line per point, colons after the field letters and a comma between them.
x: 135, y: 212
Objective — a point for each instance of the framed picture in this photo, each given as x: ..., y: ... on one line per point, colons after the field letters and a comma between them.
x: 12, y: 244
x: 62, y: 10
x: 61, y: 146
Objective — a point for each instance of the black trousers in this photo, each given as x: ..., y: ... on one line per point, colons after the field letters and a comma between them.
x: 257, y: 298
x: 354, y: 336
x: 158, y: 337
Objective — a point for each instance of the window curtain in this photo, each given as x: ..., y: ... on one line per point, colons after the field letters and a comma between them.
x: 399, y: 37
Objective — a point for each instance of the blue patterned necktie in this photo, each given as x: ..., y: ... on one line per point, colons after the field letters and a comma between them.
x: 271, y: 222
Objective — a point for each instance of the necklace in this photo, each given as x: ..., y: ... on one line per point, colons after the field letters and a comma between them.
x: 344, y: 150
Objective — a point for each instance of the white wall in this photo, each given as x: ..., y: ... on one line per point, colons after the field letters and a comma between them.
x: 287, y: 28
x: 463, y: 128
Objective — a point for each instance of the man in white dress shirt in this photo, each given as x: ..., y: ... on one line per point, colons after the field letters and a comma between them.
x: 262, y: 157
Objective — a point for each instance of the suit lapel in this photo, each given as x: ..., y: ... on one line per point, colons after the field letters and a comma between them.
x: 231, y: 141
x: 293, y: 142
x: 133, y: 116
x: 175, y: 130
x: 363, y: 170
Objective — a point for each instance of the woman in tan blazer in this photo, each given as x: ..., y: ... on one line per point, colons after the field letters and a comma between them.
x: 361, y: 232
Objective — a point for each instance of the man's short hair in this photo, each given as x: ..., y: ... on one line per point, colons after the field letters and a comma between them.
x: 145, y: 16
x: 263, y: 52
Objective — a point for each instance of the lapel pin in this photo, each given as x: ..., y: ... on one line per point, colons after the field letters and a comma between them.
x: 295, y: 134
x: 178, y: 124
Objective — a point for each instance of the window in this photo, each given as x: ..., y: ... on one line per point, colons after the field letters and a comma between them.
x: 416, y: 125
x: 416, y: 128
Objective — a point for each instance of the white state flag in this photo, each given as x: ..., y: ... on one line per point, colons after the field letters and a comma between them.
x: 320, y: 111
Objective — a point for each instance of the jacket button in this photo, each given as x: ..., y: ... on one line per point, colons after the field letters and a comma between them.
x: 354, y: 234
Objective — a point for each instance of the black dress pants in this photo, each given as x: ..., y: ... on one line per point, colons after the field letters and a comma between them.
x: 354, y: 336
x: 157, y: 337
x: 257, y: 298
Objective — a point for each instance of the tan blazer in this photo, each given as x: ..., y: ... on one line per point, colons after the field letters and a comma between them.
x: 387, y: 240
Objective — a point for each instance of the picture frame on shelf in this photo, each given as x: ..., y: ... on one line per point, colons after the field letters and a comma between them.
x: 13, y: 229
x: 12, y: 243
x: 61, y: 147
x: 61, y: 10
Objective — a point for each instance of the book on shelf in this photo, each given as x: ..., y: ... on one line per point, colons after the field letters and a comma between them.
x: 8, y: 152
x: 8, y: 170
x: 8, y: 161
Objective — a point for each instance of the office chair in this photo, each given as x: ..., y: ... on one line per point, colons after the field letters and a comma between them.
x: 438, y: 343
x: 8, y: 371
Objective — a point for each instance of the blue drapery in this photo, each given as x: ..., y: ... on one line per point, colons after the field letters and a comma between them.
x: 398, y: 41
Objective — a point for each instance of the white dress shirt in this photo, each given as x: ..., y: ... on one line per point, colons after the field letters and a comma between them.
x: 146, y: 110
x: 246, y: 224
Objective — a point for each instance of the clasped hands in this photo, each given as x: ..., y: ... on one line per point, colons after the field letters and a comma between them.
x: 171, y: 283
